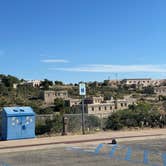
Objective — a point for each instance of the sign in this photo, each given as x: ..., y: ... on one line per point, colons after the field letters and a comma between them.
x: 82, y: 89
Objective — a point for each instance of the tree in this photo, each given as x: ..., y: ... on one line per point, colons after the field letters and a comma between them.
x: 58, y: 83
x: 135, y: 116
x: 46, y: 83
x: 59, y: 105
x: 93, y: 84
x: 50, y: 126
x: 148, y: 90
x: 9, y: 80
x: 113, y: 122
x: 105, y: 83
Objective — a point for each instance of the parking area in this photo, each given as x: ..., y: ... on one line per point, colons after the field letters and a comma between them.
x: 147, y: 152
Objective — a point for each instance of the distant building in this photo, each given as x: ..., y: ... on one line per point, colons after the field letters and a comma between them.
x: 114, y: 83
x: 72, y: 102
x: 98, y: 107
x: 163, y: 82
x: 34, y: 83
x: 156, y: 82
x: 143, y: 81
x: 106, y: 108
x: 94, y: 100
x: 160, y: 90
x: 15, y: 86
x: 61, y: 94
x: 50, y: 96
x: 100, y: 110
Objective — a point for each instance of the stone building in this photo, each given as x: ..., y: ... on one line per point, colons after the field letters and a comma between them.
x: 144, y: 82
x: 34, y: 83
x: 101, y: 108
x: 156, y: 82
x: 94, y: 100
x: 160, y: 90
x: 50, y: 96
x: 72, y: 102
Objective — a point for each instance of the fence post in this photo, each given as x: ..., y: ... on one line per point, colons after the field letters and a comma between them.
x: 64, y: 121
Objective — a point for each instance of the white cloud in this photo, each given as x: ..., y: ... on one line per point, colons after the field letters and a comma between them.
x: 102, y: 68
x: 54, y: 61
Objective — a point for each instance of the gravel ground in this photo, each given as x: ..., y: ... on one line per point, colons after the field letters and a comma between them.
x: 149, y: 152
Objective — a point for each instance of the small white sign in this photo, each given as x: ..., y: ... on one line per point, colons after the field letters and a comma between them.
x: 82, y: 89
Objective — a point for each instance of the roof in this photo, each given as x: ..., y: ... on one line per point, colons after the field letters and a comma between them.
x: 139, y: 79
x: 18, y: 111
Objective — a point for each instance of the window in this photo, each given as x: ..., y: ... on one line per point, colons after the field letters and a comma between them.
x: 99, y: 108
x: 92, y: 108
x: 105, y: 108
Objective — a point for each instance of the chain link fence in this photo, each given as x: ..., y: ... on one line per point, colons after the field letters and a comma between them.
x: 52, y: 123
x: 92, y: 123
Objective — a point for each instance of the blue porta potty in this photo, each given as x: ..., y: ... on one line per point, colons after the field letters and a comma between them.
x: 18, y: 123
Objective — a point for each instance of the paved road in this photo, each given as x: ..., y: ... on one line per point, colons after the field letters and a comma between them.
x: 149, y: 152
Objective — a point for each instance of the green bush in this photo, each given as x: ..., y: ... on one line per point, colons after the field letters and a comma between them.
x: 136, y: 116
x: 42, y: 128
x: 113, y: 122
x: 49, y: 126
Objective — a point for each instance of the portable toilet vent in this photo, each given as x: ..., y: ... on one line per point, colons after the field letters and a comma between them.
x: 18, y: 123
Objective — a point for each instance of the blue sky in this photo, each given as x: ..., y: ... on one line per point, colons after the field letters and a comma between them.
x: 83, y: 40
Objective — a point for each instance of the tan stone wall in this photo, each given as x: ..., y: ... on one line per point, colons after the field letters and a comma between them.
x: 49, y: 97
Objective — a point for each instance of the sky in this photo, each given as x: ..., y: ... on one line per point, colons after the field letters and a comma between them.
x: 83, y: 40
